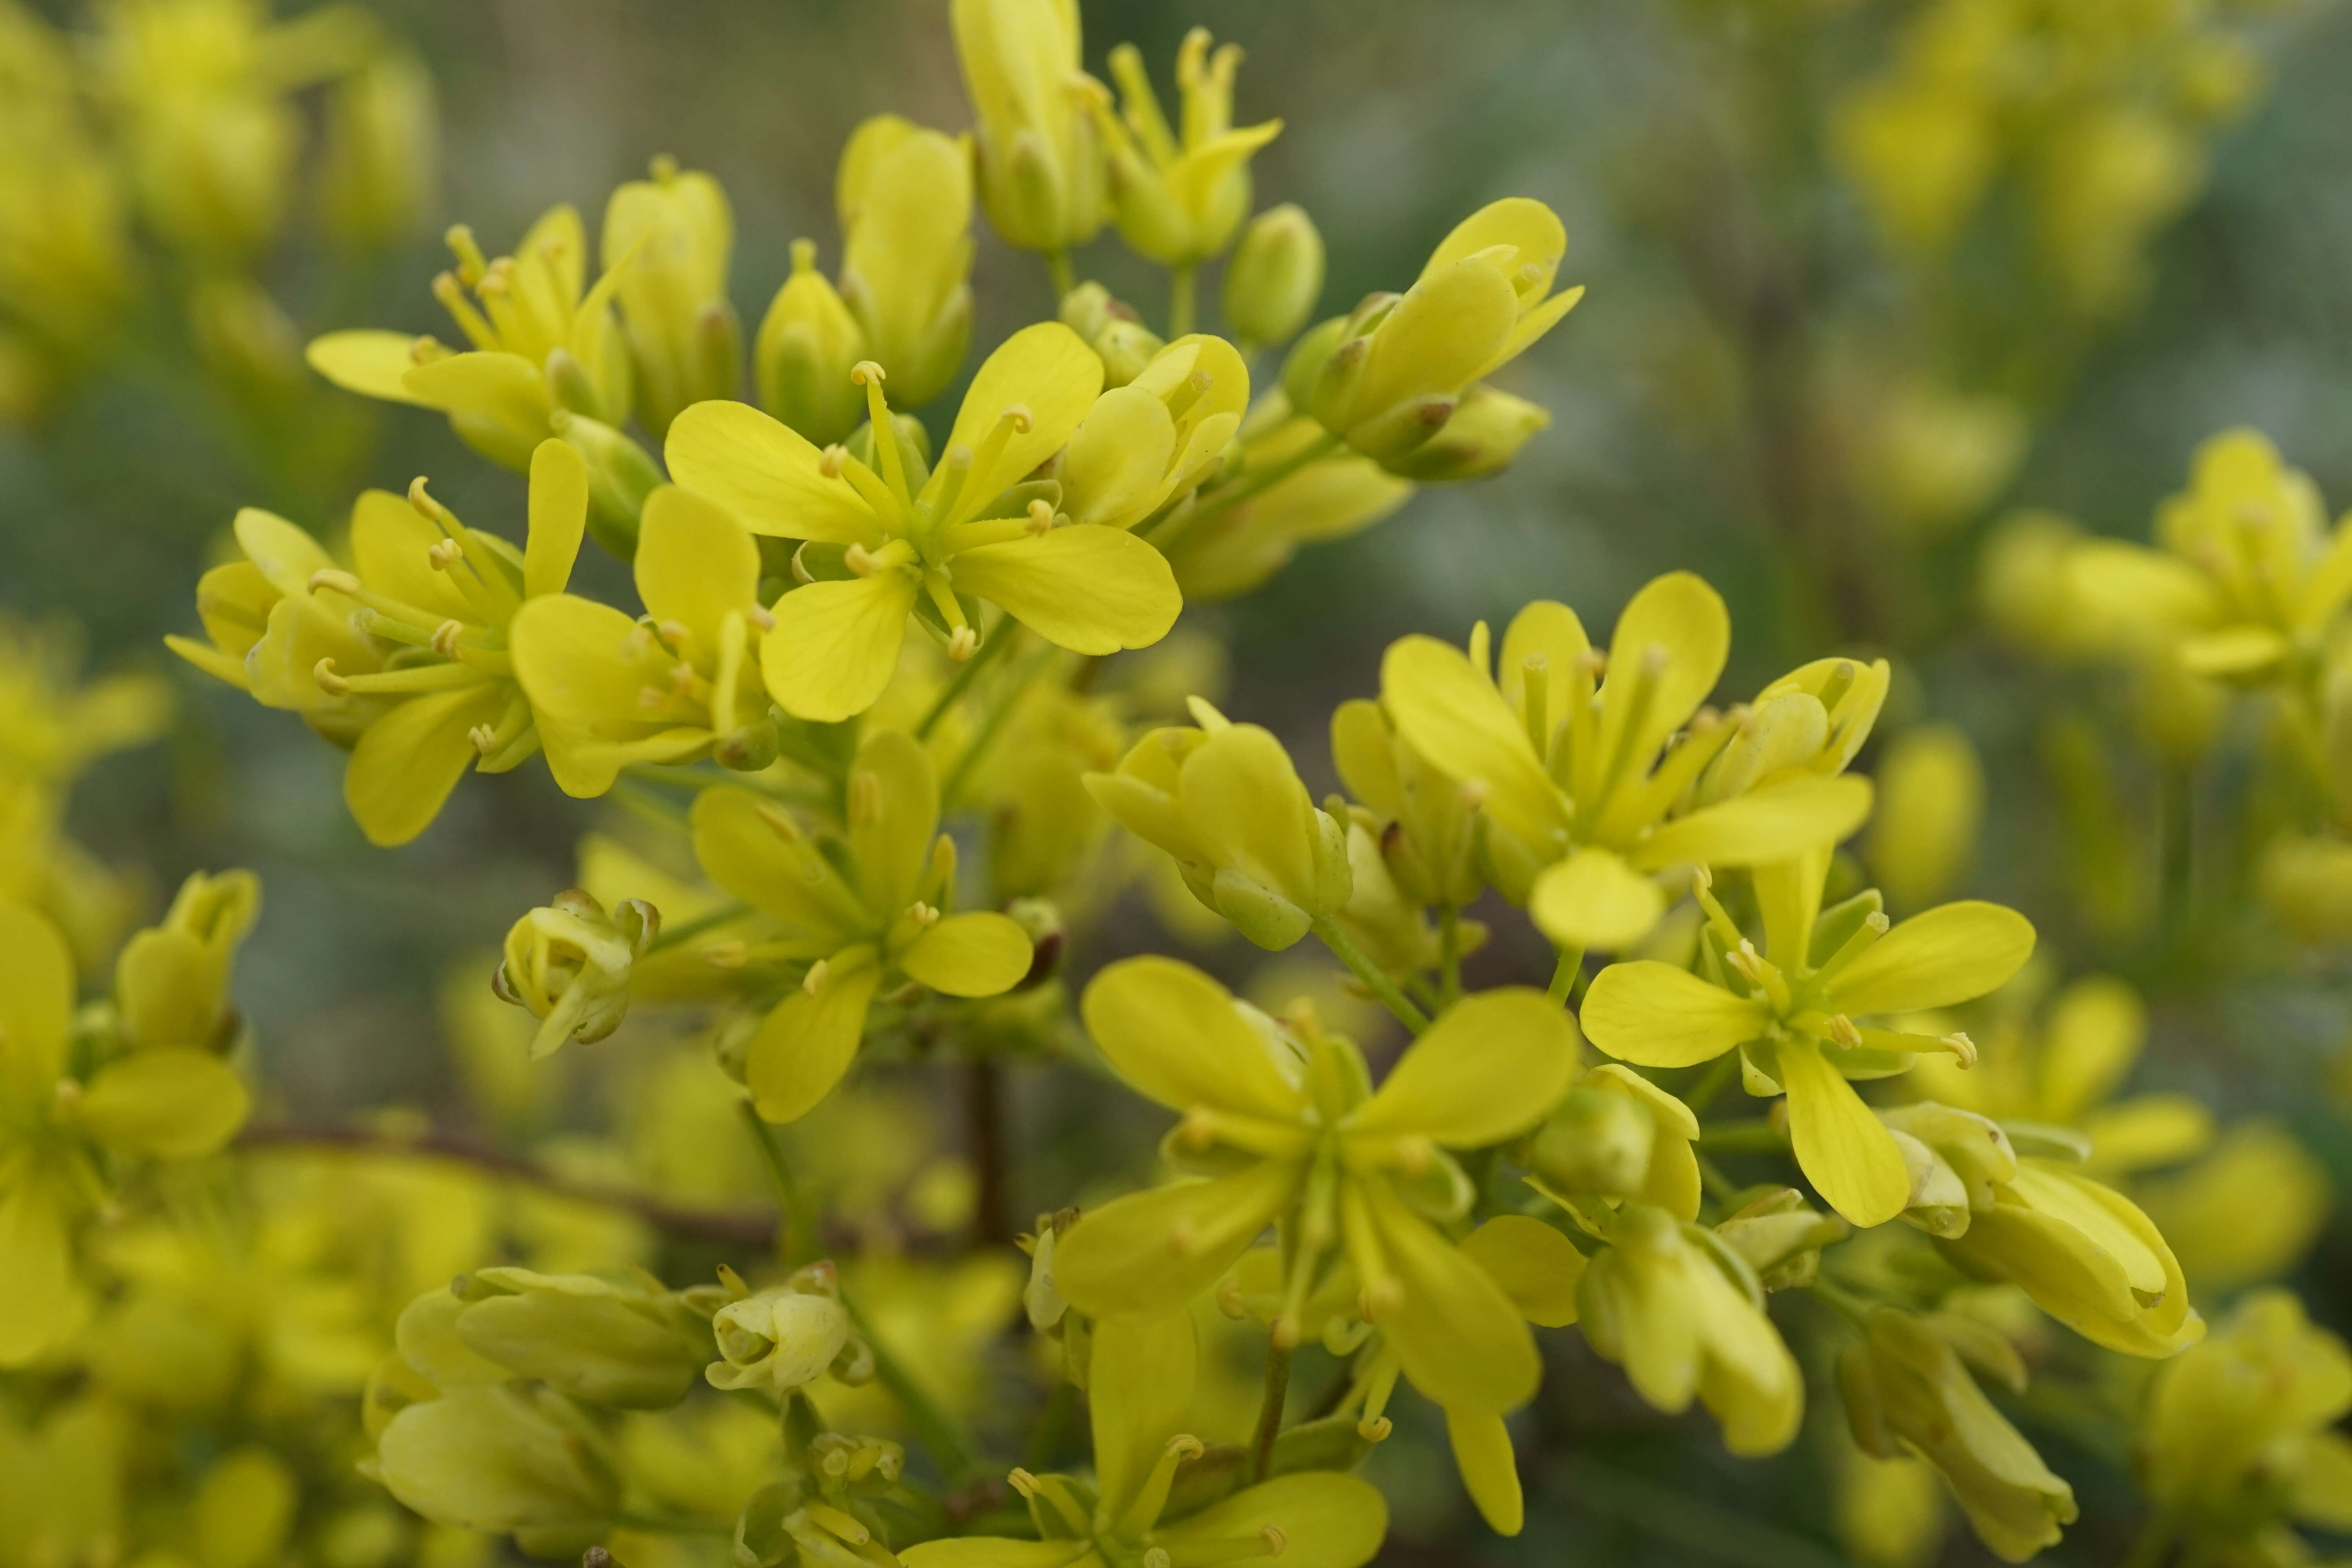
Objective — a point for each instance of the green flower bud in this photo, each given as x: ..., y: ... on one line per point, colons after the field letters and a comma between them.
x: 505, y: 1457
x: 788, y: 1337
x: 1781, y: 1238
x: 1596, y: 1143
x: 1276, y: 276
x: 1484, y: 434
x: 670, y: 239
x: 621, y: 475
x: 626, y: 1347
x: 1036, y: 146
x: 808, y: 345
x: 1113, y: 331
x: 568, y: 963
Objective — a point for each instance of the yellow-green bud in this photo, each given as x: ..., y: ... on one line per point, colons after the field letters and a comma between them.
x: 1484, y: 434
x: 505, y: 1457
x: 788, y: 1337
x: 1112, y: 329
x: 808, y: 344
x: 622, y: 1346
x: 1906, y: 1391
x: 568, y: 963
x: 621, y: 475
x: 1276, y: 276
x: 1930, y: 804
x: 1781, y: 1238
x: 1036, y: 148
x: 1180, y: 190
x: 905, y: 196
x: 170, y: 982
x: 383, y: 138
x: 1596, y: 1143
x: 671, y: 238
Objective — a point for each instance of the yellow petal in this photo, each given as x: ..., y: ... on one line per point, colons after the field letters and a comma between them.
x: 1844, y: 1151
x: 1436, y: 340
x: 1779, y: 822
x: 806, y: 1043
x: 559, y: 516
x: 1656, y: 1016
x: 1178, y: 1037
x: 172, y: 1104
x: 894, y: 812
x: 2149, y: 1130
x: 1141, y: 1252
x: 695, y: 565
x: 1490, y: 1470
x: 1954, y: 952
x: 38, y: 1307
x: 1047, y: 370
x: 1673, y: 637
x: 836, y: 644
x: 1537, y: 1267
x: 1461, y: 1340
x: 1532, y: 229
x: 284, y: 554
x: 1594, y: 899
x: 571, y: 659
x: 389, y: 541
x: 1140, y: 1377
x: 501, y: 399
x: 371, y: 363
x: 1491, y: 1066
x: 1327, y: 1520
x: 767, y: 474
x: 1117, y: 465
x: 1363, y: 751
x: 739, y: 844
x: 979, y: 954
x: 2094, y: 1035
x: 1449, y: 713
x: 37, y: 999
x: 1243, y: 799
x: 999, y: 1552
x: 407, y: 762
x: 1091, y: 590
x: 1550, y: 634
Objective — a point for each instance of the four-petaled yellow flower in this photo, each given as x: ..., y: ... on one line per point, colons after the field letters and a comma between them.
x: 541, y: 341
x: 1357, y: 1178
x: 1179, y: 191
x: 848, y: 925
x: 969, y: 530
x: 1598, y: 772
x: 1792, y: 1012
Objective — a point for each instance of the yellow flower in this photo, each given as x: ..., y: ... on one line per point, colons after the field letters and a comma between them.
x: 668, y: 241
x: 159, y: 1097
x: 1618, y: 1135
x: 2247, y: 1212
x: 1140, y: 1383
x: 905, y: 195
x: 1387, y: 378
x: 916, y: 542
x: 1684, y: 1315
x: 1425, y: 821
x: 786, y: 1338
x: 1039, y: 158
x: 1150, y: 441
x: 542, y: 341
x: 1792, y: 1010
x: 680, y: 683
x: 1908, y: 1393
x: 1179, y: 191
x: 1276, y: 276
x: 568, y: 963
x: 2087, y: 1256
x: 171, y: 981
x: 2242, y: 1429
x: 406, y: 657
x: 850, y: 926
x: 1224, y: 803
x: 1586, y: 780
x: 381, y: 153
x: 1352, y: 1176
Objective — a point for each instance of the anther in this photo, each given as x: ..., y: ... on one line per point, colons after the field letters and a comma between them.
x: 1276, y: 1541
x: 814, y: 981
x: 1025, y: 1483
x: 329, y: 577
x: 1229, y: 1297
x: 865, y: 798
x: 1962, y: 1048
x: 1184, y: 1447
x: 866, y: 371
x: 1185, y: 1238
x: 760, y: 615
x: 1041, y: 516
x: 333, y: 685
x: 962, y: 643
x: 446, y: 635
x: 922, y: 914
x: 731, y: 954
x: 1375, y: 1430
x: 485, y: 739
x: 1019, y: 417
x: 681, y: 675
x: 1845, y: 1032
x: 830, y: 461
x: 1475, y: 793
x: 1157, y: 1557
x: 860, y: 560
x: 440, y: 553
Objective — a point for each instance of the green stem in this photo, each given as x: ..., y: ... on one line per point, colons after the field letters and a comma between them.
x: 1849, y: 1306
x: 996, y: 644
x: 1252, y: 482
x: 1057, y: 267
x: 1756, y: 1135
x: 1377, y: 984
x: 687, y: 931
x: 1449, y: 953
x: 1010, y: 698
x: 1269, y: 1409
x: 1180, y: 301
x: 1566, y: 974
x: 1710, y: 1083
x: 801, y: 1242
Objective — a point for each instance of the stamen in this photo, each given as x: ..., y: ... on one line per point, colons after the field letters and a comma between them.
x: 830, y: 461
x: 760, y: 615
x: 1845, y: 1032
x: 1022, y: 1481
x: 861, y: 560
x: 339, y: 582
x: 442, y: 553
x: 922, y: 914
x: 865, y: 804
x: 333, y: 685
x: 446, y: 635
x: 1041, y: 516
x: 814, y: 983
x: 484, y: 737
x: 1962, y: 1048
x: 869, y: 375
x: 962, y: 644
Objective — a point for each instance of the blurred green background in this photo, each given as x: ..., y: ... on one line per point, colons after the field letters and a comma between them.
x: 1400, y: 118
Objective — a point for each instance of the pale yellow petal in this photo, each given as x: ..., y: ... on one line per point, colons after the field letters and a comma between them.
x: 1594, y: 899
x: 37, y: 999
x: 172, y: 1104
x: 1449, y: 713
x: 559, y: 516
x: 695, y: 565
x: 981, y: 953
x: 1139, y: 1377
x: 1954, y: 952
x: 1047, y: 372
x: 1779, y: 822
x: 369, y: 362
x: 1327, y: 1520
x: 1178, y: 1037
x: 1462, y: 1342
x: 1537, y: 1267
x: 407, y: 762
x: 767, y: 474
x: 1490, y: 1470
x: 38, y: 1306
x: 1139, y: 1253
x: 836, y: 644
x: 1844, y: 1151
x: 1656, y: 1016
x: 1672, y: 638
x: 806, y: 1044
x: 1491, y: 1066
x: 1091, y: 590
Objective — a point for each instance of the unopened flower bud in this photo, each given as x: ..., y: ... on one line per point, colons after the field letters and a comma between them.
x: 675, y: 235
x: 1275, y: 276
x: 623, y: 1347
x: 621, y: 475
x: 1596, y: 1143
x: 568, y: 963
x: 1484, y: 435
x: 780, y: 1339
